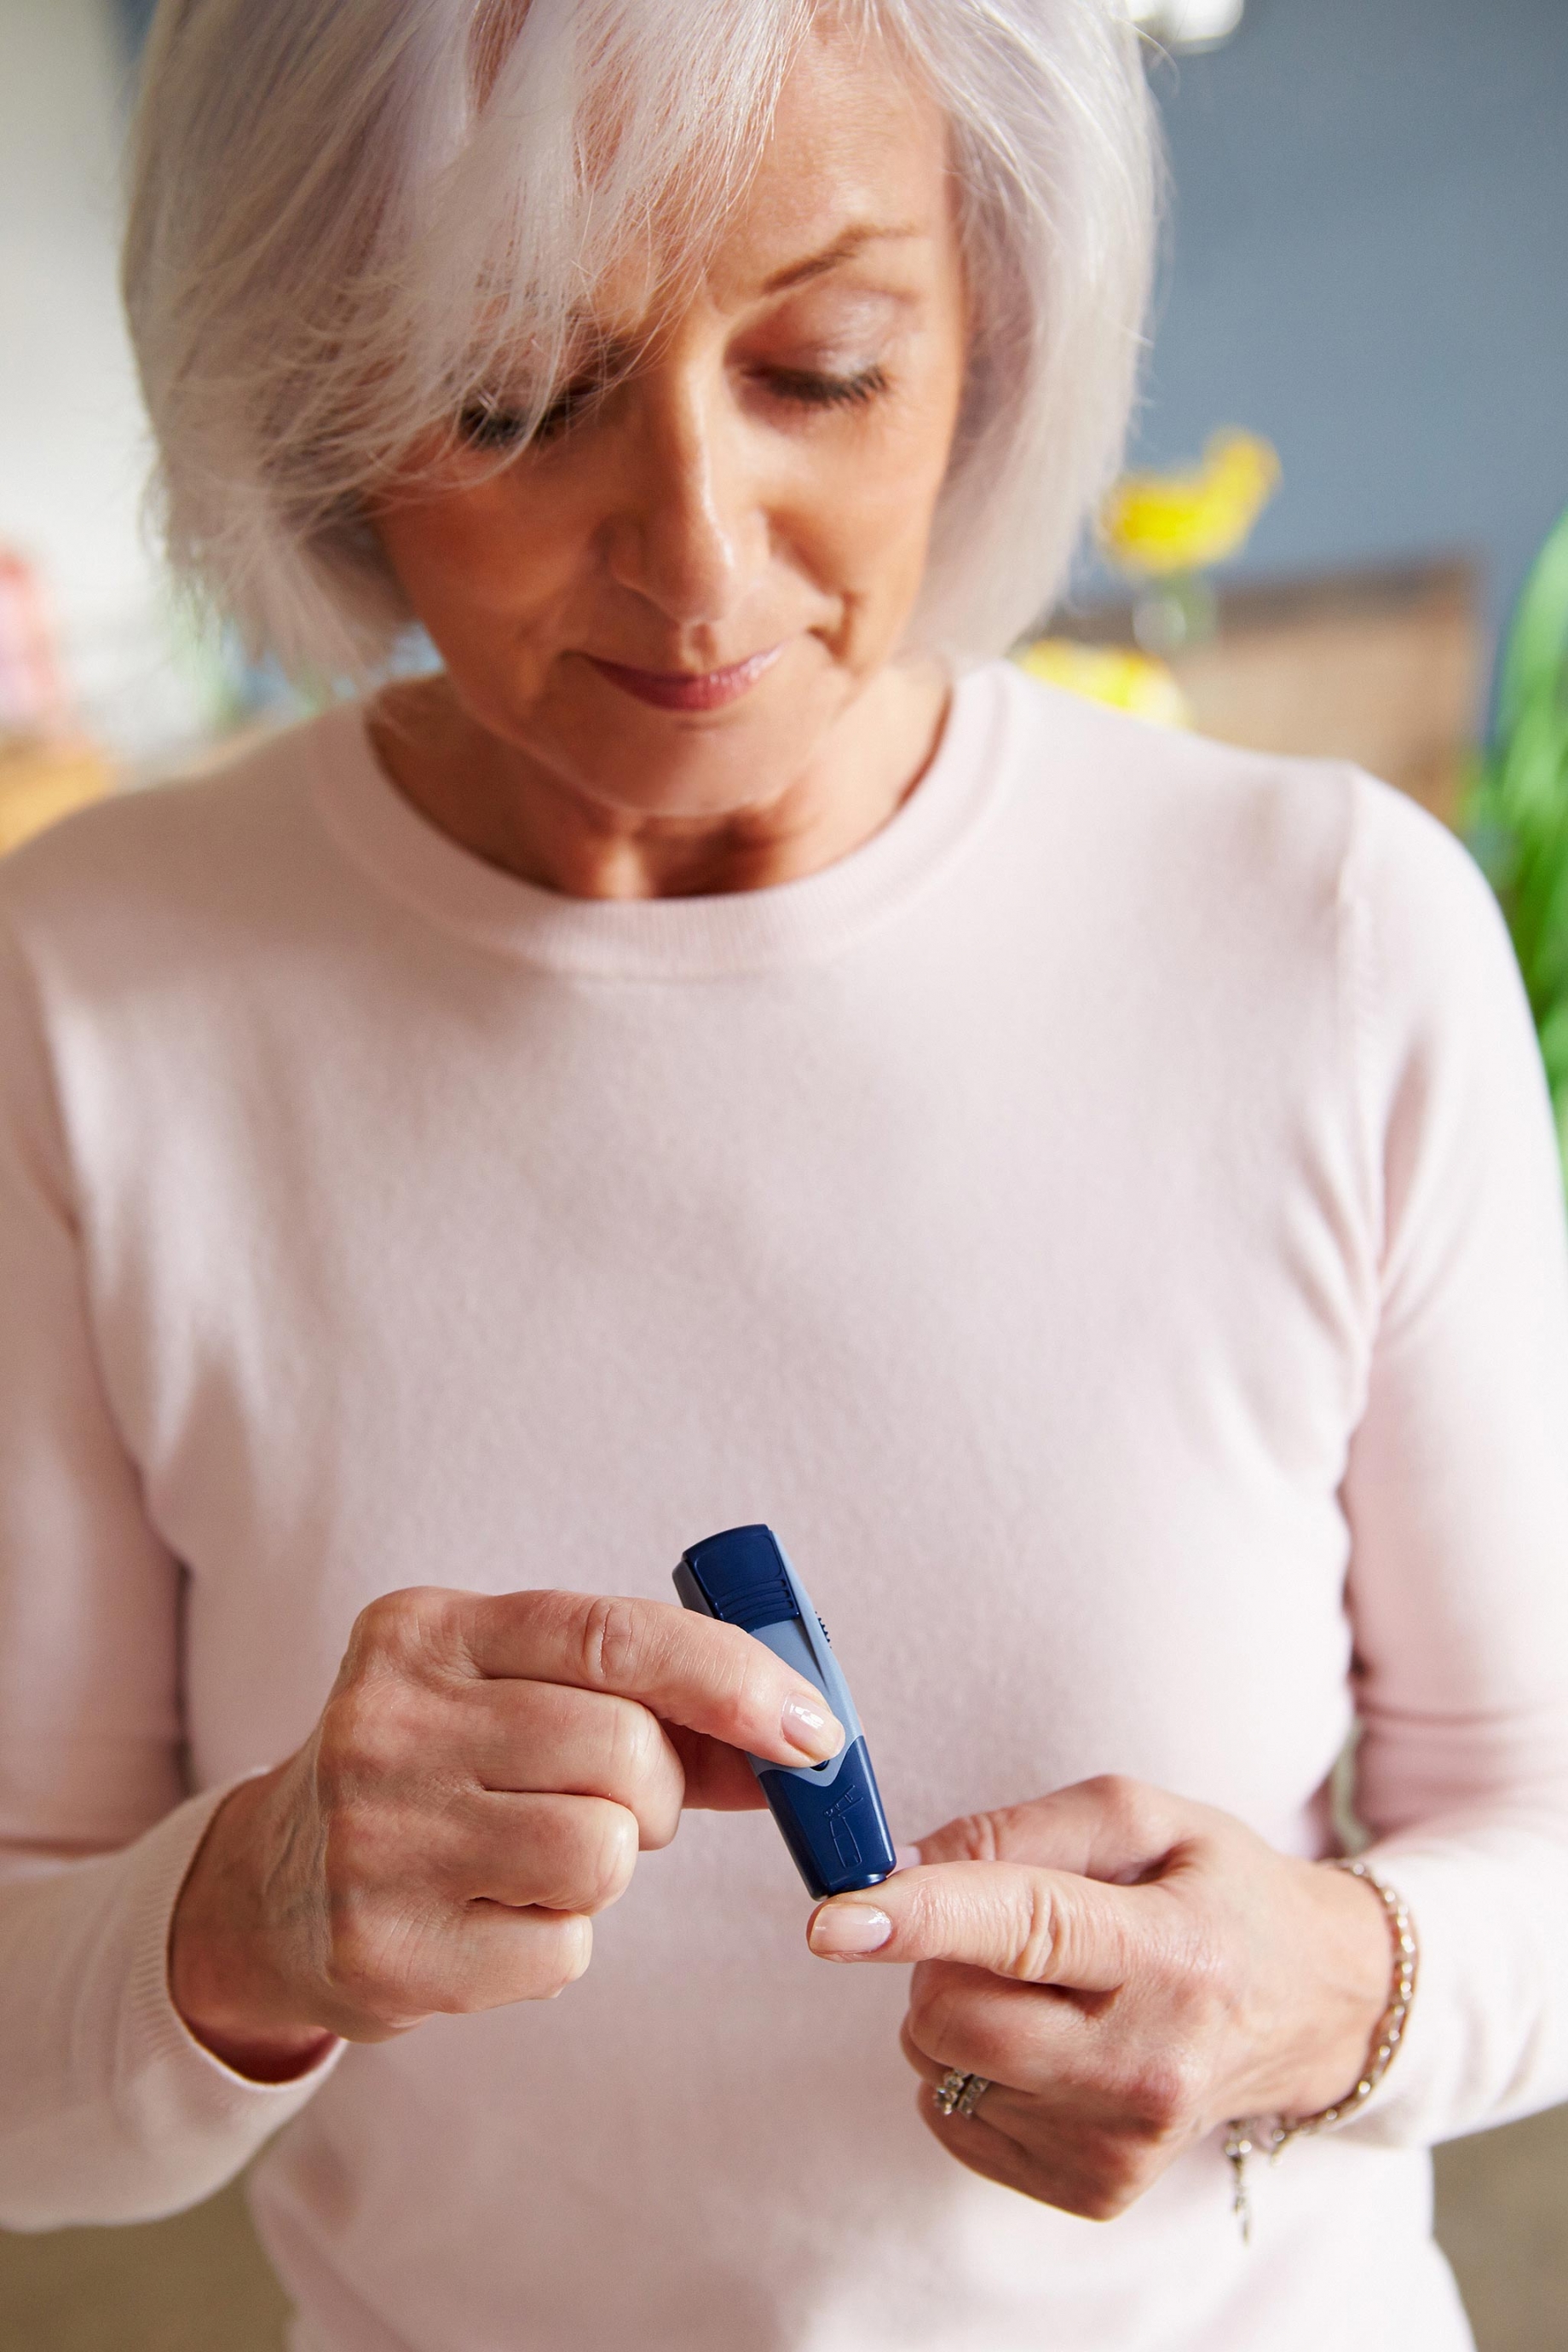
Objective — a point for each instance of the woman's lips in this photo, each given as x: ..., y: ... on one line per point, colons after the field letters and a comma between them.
x: 680, y: 690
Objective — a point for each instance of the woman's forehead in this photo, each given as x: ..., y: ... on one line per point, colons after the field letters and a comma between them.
x: 853, y: 178
x: 856, y: 162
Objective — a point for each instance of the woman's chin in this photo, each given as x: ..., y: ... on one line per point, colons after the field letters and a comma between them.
x: 696, y: 763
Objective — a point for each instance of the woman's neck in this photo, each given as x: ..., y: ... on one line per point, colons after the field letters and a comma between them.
x: 519, y: 814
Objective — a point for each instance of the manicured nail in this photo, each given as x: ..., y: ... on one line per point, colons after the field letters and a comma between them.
x: 807, y: 1724
x: 841, y: 1930
x: 906, y: 1857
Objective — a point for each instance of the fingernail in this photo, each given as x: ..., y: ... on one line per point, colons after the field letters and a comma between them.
x: 841, y: 1930
x: 807, y: 1724
x: 906, y: 1857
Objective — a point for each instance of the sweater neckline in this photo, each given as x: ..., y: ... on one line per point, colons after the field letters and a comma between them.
x: 666, y: 939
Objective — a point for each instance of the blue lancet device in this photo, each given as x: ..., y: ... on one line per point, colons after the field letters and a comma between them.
x: 831, y: 1815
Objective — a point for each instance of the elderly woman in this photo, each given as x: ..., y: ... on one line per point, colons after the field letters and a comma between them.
x: 724, y: 1047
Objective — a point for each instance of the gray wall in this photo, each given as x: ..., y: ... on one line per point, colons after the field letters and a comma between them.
x: 1370, y: 265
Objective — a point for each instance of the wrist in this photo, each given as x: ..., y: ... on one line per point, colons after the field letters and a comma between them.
x: 1246, y: 2135
x: 225, y: 1979
x: 1343, y: 1929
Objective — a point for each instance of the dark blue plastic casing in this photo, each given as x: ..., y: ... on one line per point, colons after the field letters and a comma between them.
x: 831, y: 1815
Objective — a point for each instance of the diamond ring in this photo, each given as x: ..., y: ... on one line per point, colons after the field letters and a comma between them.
x: 957, y: 2092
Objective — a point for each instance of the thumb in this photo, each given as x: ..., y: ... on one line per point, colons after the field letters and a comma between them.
x: 1037, y: 1926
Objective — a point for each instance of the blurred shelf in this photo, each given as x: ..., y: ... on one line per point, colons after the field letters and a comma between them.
x: 40, y: 783
x: 1384, y: 667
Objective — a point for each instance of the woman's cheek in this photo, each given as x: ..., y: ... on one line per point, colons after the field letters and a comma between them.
x: 871, y: 548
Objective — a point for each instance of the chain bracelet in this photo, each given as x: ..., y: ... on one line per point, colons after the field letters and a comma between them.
x: 1270, y: 2135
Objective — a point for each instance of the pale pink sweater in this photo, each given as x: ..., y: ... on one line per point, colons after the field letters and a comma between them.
x: 1109, y: 1226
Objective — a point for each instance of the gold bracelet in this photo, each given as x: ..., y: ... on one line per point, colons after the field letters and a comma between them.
x: 1270, y: 2135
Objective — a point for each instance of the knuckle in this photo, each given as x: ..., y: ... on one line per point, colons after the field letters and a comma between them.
x: 612, y: 1643
x: 972, y: 1837
x: 934, y: 2004
x: 369, y: 1735
x: 565, y: 1957
x: 969, y: 1837
x: 610, y: 1864
x: 1108, y: 2178
x: 337, y: 1742
x: 397, y: 1626
x: 384, y: 1619
x: 1037, y: 1932
x: 1161, y: 2096
x: 1106, y: 2201
x: 639, y: 1747
x: 951, y: 2020
x: 348, y: 1742
x: 990, y: 2046
x: 1127, y: 1805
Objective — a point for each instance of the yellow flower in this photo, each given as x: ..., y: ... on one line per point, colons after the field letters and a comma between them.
x: 1113, y: 673
x: 1155, y: 523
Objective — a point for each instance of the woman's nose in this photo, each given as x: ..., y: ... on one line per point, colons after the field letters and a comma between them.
x: 690, y: 532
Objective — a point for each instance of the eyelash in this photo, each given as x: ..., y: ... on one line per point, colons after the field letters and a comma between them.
x: 484, y: 427
x: 829, y: 391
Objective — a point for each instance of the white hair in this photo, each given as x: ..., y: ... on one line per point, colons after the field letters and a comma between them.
x: 345, y: 213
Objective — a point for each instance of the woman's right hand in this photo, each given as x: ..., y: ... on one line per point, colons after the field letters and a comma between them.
x: 479, y: 1783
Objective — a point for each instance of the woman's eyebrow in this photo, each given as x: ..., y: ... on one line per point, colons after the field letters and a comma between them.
x: 843, y: 248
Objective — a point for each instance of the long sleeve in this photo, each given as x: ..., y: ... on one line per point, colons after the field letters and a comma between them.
x: 110, y: 2110
x: 1457, y: 1491
x: 1020, y: 1212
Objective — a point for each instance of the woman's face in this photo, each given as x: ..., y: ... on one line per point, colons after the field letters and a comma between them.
x: 668, y: 600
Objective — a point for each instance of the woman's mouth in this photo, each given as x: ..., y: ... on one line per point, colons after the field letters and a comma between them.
x: 681, y: 689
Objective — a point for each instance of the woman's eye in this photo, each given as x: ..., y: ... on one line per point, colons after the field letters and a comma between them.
x: 484, y: 426
x: 808, y: 388
x: 487, y: 424
x: 569, y: 406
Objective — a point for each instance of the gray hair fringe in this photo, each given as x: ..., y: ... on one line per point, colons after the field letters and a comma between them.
x: 343, y: 214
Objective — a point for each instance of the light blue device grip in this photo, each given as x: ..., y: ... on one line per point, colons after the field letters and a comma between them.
x: 830, y: 1814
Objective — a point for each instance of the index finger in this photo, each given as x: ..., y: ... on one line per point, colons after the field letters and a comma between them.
x: 688, y: 1669
x: 1037, y: 1926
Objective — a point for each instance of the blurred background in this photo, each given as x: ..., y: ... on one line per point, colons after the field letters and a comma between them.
x: 1352, y: 451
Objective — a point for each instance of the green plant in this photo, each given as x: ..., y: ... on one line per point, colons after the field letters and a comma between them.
x: 1517, y: 814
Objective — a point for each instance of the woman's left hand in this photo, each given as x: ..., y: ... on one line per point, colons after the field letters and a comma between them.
x: 1127, y: 1971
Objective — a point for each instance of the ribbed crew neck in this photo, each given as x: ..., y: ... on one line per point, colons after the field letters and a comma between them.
x: 668, y: 939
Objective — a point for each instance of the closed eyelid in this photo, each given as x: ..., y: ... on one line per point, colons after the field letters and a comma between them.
x: 857, y: 327
x: 845, y: 305
x: 853, y: 320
